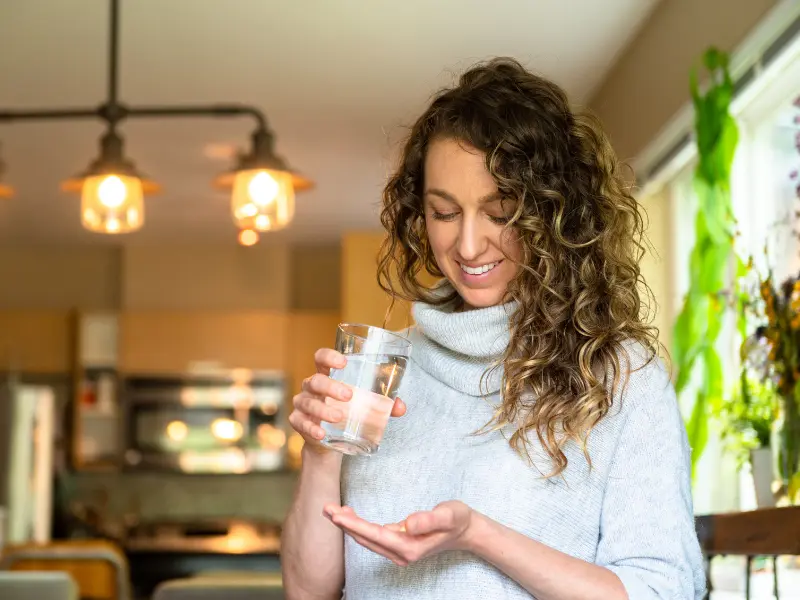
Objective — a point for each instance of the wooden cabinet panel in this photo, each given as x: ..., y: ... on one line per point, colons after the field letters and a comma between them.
x: 169, y: 341
x: 309, y: 331
x: 363, y: 300
x: 36, y: 341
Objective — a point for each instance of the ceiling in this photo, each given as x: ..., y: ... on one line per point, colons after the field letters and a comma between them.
x: 338, y: 80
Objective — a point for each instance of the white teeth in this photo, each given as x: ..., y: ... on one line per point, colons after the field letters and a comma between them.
x: 478, y: 270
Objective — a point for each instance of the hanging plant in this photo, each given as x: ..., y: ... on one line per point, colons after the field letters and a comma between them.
x: 699, y: 323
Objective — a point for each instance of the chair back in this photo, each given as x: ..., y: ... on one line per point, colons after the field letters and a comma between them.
x: 253, y: 586
x: 33, y: 585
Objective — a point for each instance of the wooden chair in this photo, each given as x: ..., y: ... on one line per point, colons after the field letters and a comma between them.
x: 32, y: 585
x: 769, y: 532
x: 98, y: 567
x: 223, y: 586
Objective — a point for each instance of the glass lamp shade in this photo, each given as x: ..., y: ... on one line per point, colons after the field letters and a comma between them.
x: 6, y: 191
x: 112, y: 203
x: 262, y: 199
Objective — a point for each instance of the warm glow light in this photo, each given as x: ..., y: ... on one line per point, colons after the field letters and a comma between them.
x: 112, y: 203
x: 233, y: 460
x: 226, y: 429
x: 248, y: 237
x: 177, y: 431
x: 270, y: 437
x: 263, y: 188
x: 112, y: 192
x: 262, y: 199
x: 269, y: 408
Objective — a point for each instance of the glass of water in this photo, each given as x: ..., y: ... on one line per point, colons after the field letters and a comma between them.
x: 376, y: 362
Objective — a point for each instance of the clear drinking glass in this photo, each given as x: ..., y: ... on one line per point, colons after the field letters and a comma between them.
x: 376, y: 362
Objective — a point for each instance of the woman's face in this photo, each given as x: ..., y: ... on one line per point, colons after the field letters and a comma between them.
x: 465, y: 217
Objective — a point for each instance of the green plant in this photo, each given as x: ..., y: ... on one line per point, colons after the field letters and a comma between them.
x: 745, y: 416
x: 700, y: 321
x: 782, y: 369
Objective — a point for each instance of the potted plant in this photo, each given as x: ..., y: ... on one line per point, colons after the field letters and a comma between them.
x: 782, y: 370
x: 765, y: 411
x: 745, y: 417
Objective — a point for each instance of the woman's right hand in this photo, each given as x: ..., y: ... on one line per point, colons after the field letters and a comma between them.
x: 309, y: 405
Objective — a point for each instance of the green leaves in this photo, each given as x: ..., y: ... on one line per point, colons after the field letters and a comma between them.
x: 709, y: 396
x: 690, y: 331
x: 794, y: 488
x: 697, y: 429
x: 699, y: 323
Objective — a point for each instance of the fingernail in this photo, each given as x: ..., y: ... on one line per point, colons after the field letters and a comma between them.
x: 335, y: 416
x: 347, y: 393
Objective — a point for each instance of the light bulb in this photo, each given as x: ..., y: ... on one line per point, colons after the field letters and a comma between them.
x: 263, y: 188
x: 262, y: 199
x: 112, y: 203
x: 112, y: 192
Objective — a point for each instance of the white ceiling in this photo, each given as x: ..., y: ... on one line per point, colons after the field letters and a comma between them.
x: 338, y: 80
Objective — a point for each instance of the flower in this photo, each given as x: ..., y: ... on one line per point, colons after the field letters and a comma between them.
x: 772, y: 354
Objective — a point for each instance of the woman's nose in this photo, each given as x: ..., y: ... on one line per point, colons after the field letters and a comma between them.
x: 472, y: 239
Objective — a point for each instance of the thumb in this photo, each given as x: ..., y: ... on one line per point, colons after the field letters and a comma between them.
x: 399, y: 408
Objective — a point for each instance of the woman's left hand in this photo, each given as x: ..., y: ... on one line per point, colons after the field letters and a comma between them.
x: 420, y: 535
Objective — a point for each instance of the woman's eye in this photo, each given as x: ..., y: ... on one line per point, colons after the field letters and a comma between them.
x: 499, y: 220
x: 443, y: 216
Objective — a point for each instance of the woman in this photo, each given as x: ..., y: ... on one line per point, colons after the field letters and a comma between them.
x: 541, y: 452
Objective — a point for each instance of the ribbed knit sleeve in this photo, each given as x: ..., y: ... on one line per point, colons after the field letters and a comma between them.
x: 647, y: 533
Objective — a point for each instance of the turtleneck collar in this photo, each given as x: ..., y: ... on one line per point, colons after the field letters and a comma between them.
x: 458, y: 348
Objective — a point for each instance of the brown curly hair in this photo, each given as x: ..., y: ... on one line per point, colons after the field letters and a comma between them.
x: 579, y: 292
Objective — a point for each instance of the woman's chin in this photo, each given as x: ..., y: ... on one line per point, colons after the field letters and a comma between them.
x: 480, y: 298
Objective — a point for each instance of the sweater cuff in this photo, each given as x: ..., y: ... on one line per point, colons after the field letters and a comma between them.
x: 634, y: 586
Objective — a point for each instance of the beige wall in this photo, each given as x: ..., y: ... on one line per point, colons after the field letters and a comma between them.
x: 316, y: 277
x: 363, y: 301
x: 206, y: 277
x: 200, y: 277
x: 649, y: 83
x: 60, y: 278
x: 655, y: 264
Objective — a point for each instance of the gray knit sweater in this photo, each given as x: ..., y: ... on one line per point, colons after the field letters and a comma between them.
x: 631, y: 512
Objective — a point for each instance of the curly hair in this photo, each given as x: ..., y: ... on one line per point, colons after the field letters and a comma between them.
x: 580, y: 297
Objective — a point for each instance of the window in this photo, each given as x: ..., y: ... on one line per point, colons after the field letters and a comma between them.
x: 765, y: 202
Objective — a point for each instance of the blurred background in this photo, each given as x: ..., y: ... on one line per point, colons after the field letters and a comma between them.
x: 174, y: 250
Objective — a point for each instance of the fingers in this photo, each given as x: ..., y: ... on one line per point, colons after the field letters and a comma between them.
x: 331, y: 509
x: 306, y: 426
x: 365, y: 533
x: 327, y: 359
x: 316, y: 409
x: 310, y: 407
x: 323, y: 386
x: 399, y: 408
x: 370, y: 531
x: 423, y: 523
x: 378, y: 549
